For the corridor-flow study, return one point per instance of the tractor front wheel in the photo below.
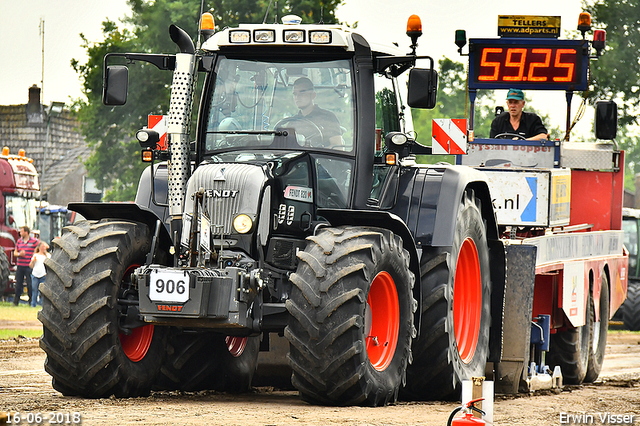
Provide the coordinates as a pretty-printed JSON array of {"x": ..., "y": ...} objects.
[
  {"x": 351, "y": 317},
  {"x": 92, "y": 351}
]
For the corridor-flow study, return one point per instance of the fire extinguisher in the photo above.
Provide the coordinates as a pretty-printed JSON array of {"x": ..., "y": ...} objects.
[{"x": 468, "y": 419}]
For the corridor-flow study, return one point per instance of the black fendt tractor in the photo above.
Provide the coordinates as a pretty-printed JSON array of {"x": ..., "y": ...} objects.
[{"x": 298, "y": 211}]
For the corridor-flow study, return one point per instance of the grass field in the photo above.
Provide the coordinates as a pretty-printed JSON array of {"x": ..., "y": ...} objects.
[
  {"x": 18, "y": 313},
  {"x": 17, "y": 332},
  {"x": 8, "y": 312}
]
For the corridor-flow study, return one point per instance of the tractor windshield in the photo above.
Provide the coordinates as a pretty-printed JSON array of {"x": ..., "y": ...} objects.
[{"x": 279, "y": 105}]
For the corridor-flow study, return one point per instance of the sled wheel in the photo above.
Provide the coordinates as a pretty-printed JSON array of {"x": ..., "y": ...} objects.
[
  {"x": 570, "y": 349},
  {"x": 599, "y": 331}
]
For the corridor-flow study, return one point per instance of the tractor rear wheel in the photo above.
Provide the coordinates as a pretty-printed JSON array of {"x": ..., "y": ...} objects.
[
  {"x": 351, "y": 317},
  {"x": 631, "y": 307},
  {"x": 208, "y": 361},
  {"x": 91, "y": 350},
  {"x": 598, "y": 332},
  {"x": 456, "y": 310}
]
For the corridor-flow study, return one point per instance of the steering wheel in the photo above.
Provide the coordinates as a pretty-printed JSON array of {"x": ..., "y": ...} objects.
[
  {"x": 312, "y": 133},
  {"x": 509, "y": 136}
]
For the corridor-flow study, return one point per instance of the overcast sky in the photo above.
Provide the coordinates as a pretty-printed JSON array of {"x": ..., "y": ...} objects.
[{"x": 378, "y": 20}]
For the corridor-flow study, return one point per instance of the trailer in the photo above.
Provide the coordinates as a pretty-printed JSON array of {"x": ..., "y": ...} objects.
[
  {"x": 299, "y": 212},
  {"x": 562, "y": 197},
  {"x": 19, "y": 193}
]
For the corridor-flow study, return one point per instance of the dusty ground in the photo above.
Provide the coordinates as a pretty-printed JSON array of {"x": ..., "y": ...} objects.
[{"x": 25, "y": 387}]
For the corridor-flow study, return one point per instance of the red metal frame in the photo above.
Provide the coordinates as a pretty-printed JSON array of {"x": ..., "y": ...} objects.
[{"x": 596, "y": 198}]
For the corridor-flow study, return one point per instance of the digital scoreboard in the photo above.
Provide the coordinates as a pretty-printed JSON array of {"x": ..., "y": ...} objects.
[{"x": 545, "y": 64}]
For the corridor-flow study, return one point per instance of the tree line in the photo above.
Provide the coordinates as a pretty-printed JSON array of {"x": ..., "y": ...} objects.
[{"x": 109, "y": 131}]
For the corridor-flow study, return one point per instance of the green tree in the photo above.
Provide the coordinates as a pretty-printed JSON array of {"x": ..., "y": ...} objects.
[
  {"x": 107, "y": 130},
  {"x": 452, "y": 99},
  {"x": 616, "y": 74},
  {"x": 115, "y": 162}
]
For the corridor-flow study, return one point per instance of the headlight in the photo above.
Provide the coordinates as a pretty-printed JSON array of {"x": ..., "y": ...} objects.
[
  {"x": 242, "y": 224},
  {"x": 293, "y": 36},
  {"x": 239, "y": 36},
  {"x": 399, "y": 139},
  {"x": 321, "y": 37},
  {"x": 264, "y": 36}
]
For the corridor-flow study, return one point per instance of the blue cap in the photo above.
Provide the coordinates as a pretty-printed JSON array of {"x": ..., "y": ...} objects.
[{"x": 515, "y": 94}]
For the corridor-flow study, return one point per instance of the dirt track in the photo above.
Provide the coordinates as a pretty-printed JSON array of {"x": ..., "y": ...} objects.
[{"x": 25, "y": 387}]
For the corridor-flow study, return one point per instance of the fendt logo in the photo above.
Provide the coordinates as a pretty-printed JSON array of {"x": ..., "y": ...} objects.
[
  {"x": 222, "y": 193},
  {"x": 170, "y": 308}
]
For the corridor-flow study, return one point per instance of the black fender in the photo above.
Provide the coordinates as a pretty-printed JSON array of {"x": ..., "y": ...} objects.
[
  {"x": 455, "y": 181},
  {"x": 428, "y": 199},
  {"x": 156, "y": 189},
  {"x": 126, "y": 211}
]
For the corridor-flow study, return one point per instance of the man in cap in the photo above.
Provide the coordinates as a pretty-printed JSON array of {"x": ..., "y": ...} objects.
[
  {"x": 304, "y": 95},
  {"x": 517, "y": 122}
]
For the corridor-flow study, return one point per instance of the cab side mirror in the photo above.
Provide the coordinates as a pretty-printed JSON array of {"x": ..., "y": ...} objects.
[
  {"x": 423, "y": 88},
  {"x": 115, "y": 85}
]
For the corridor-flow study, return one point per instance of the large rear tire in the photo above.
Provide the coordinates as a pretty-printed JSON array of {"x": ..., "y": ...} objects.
[
  {"x": 456, "y": 311},
  {"x": 208, "y": 361},
  {"x": 85, "y": 300},
  {"x": 599, "y": 331},
  {"x": 351, "y": 317},
  {"x": 631, "y": 307}
]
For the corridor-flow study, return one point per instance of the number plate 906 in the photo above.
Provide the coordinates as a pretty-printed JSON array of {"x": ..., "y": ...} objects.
[{"x": 169, "y": 286}]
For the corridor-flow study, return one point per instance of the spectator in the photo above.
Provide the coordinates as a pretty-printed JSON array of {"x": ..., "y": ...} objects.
[
  {"x": 38, "y": 272},
  {"x": 23, "y": 252}
]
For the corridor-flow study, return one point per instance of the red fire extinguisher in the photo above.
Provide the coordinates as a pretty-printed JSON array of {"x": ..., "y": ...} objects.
[{"x": 467, "y": 419}]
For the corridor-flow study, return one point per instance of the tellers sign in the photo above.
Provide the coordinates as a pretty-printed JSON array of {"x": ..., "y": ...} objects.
[{"x": 528, "y": 64}]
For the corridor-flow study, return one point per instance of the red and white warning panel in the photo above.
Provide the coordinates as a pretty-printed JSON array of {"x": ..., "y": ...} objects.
[
  {"x": 159, "y": 124},
  {"x": 449, "y": 136}
]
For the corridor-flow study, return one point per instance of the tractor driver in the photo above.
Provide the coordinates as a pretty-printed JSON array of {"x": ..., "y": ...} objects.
[
  {"x": 303, "y": 95},
  {"x": 520, "y": 124}
]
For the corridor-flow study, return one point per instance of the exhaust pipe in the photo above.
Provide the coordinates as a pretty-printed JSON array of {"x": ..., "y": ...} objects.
[{"x": 182, "y": 88}]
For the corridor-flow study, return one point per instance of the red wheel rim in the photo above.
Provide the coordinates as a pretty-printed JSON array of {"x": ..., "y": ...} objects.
[
  {"x": 467, "y": 300},
  {"x": 136, "y": 345},
  {"x": 236, "y": 345},
  {"x": 385, "y": 321}
]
